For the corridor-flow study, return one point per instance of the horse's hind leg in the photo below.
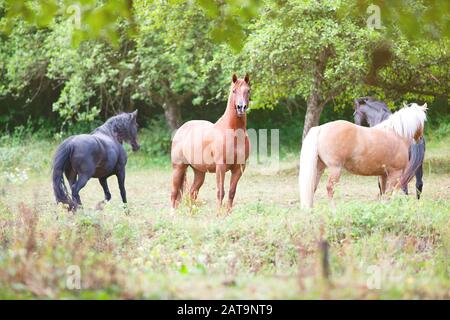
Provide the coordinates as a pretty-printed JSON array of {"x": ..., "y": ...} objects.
[
  {"x": 405, "y": 189},
  {"x": 178, "y": 177},
  {"x": 333, "y": 178},
  {"x": 320, "y": 168},
  {"x": 393, "y": 180},
  {"x": 104, "y": 185},
  {"x": 419, "y": 181},
  {"x": 382, "y": 184},
  {"x": 71, "y": 176},
  {"x": 199, "y": 178},
  {"x": 79, "y": 184}
]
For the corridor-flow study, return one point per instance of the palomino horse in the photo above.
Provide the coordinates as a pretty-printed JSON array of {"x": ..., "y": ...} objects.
[
  {"x": 96, "y": 155},
  {"x": 378, "y": 151},
  {"x": 372, "y": 112},
  {"x": 218, "y": 147}
]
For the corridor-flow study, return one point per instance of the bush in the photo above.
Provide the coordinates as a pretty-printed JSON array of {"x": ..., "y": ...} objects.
[{"x": 156, "y": 139}]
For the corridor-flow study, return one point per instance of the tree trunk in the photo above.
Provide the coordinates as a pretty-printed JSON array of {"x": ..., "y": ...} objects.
[
  {"x": 172, "y": 112},
  {"x": 313, "y": 111},
  {"x": 315, "y": 101}
]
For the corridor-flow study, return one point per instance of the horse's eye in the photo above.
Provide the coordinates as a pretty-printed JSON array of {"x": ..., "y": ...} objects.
[{"x": 234, "y": 90}]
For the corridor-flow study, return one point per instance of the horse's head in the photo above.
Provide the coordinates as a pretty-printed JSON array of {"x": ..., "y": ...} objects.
[
  {"x": 132, "y": 130},
  {"x": 240, "y": 94},
  {"x": 359, "y": 115},
  {"x": 125, "y": 128}
]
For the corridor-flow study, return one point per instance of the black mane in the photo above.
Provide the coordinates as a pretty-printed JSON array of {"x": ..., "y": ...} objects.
[
  {"x": 374, "y": 104},
  {"x": 117, "y": 126}
]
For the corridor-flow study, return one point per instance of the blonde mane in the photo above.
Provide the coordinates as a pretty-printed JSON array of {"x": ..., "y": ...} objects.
[{"x": 406, "y": 121}]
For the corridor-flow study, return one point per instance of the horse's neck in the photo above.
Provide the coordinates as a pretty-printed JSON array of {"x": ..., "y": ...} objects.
[
  {"x": 375, "y": 118},
  {"x": 105, "y": 130},
  {"x": 230, "y": 120}
]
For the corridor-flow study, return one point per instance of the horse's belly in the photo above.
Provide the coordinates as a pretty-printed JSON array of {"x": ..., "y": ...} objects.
[
  {"x": 101, "y": 172},
  {"x": 364, "y": 169},
  {"x": 376, "y": 161},
  {"x": 204, "y": 167}
]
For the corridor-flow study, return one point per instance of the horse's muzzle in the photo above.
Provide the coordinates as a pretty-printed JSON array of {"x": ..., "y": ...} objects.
[{"x": 241, "y": 109}]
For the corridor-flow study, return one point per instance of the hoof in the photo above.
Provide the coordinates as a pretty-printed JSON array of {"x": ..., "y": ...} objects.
[{"x": 100, "y": 206}]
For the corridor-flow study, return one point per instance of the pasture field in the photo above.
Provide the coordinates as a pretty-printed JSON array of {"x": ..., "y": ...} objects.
[{"x": 396, "y": 248}]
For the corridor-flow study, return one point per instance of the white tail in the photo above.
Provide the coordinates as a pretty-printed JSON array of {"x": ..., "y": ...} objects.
[{"x": 308, "y": 168}]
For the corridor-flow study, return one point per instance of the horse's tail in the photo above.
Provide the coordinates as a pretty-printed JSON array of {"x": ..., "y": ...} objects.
[
  {"x": 61, "y": 158},
  {"x": 308, "y": 168},
  {"x": 417, "y": 154}
]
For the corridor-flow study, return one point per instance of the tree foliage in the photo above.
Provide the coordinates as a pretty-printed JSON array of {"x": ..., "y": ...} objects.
[{"x": 170, "y": 54}]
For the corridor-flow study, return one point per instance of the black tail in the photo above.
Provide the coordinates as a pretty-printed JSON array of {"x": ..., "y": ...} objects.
[
  {"x": 59, "y": 188},
  {"x": 417, "y": 154}
]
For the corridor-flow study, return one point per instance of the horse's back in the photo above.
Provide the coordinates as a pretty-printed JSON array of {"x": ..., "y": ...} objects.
[
  {"x": 85, "y": 143},
  {"x": 337, "y": 140},
  {"x": 339, "y": 131},
  {"x": 192, "y": 125},
  {"x": 361, "y": 150}
]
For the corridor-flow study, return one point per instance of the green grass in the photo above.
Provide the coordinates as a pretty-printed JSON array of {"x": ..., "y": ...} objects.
[{"x": 267, "y": 248}]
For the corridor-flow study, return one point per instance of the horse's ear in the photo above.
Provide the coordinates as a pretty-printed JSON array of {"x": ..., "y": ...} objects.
[
  {"x": 234, "y": 78},
  {"x": 134, "y": 114},
  {"x": 424, "y": 107},
  {"x": 247, "y": 78}
]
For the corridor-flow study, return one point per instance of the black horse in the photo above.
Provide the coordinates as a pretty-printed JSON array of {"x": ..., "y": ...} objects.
[
  {"x": 98, "y": 155},
  {"x": 371, "y": 112}
]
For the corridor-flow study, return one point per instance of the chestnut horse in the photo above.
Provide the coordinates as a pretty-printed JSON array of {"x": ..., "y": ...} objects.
[
  {"x": 381, "y": 151},
  {"x": 219, "y": 147}
]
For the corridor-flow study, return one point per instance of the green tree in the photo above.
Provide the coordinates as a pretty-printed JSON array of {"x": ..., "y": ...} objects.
[
  {"x": 305, "y": 49},
  {"x": 173, "y": 50},
  {"x": 309, "y": 49}
]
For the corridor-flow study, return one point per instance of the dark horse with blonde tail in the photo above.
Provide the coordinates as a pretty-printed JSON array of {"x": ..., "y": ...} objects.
[
  {"x": 371, "y": 112},
  {"x": 213, "y": 147},
  {"x": 96, "y": 155}
]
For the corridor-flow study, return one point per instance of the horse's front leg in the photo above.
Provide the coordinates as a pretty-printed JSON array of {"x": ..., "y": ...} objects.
[
  {"x": 220, "y": 179},
  {"x": 236, "y": 174}
]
